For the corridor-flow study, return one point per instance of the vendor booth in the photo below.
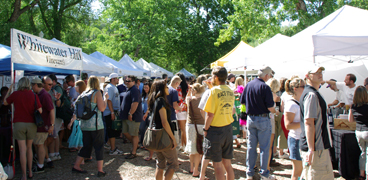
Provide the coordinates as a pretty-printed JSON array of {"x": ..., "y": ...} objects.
[
  {"x": 127, "y": 61},
  {"x": 186, "y": 73},
  {"x": 120, "y": 68},
  {"x": 145, "y": 65},
  {"x": 164, "y": 71}
]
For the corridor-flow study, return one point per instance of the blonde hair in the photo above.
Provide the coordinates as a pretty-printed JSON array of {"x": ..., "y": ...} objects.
[
  {"x": 239, "y": 81},
  {"x": 274, "y": 84},
  {"x": 199, "y": 88},
  {"x": 291, "y": 84},
  {"x": 24, "y": 84},
  {"x": 82, "y": 86},
  {"x": 360, "y": 96},
  {"x": 201, "y": 78},
  {"x": 175, "y": 79},
  {"x": 93, "y": 83},
  {"x": 294, "y": 76}
]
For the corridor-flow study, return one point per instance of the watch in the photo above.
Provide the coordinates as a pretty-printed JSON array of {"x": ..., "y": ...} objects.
[
  {"x": 129, "y": 114},
  {"x": 205, "y": 130},
  {"x": 52, "y": 124}
]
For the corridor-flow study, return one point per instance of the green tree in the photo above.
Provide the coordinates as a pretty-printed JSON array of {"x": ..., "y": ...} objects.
[{"x": 260, "y": 20}]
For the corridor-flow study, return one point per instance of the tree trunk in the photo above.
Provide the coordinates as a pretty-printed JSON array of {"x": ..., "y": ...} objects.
[
  {"x": 301, "y": 6},
  {"x": 17, "y": 11},
  {"x": 137, "y": 50}
]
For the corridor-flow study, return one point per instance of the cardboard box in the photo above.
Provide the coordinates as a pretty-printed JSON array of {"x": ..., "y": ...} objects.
[{"x": 344, "y": 124}]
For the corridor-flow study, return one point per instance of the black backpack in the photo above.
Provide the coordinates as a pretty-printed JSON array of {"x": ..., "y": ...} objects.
[{"x": 65, "y": 111}]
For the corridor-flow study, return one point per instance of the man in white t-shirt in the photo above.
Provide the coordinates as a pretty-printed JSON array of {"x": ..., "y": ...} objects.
[
  {"x": 340, "y": 98},
  {"x": 347, "y": 87}
]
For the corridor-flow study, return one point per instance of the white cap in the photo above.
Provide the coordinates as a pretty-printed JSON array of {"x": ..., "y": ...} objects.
[
  {"x": 314, "y": 69},
  {"x": 113, "y": 75}
]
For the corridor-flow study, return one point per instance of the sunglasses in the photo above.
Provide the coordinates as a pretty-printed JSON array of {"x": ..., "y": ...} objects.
[
  {"x": 128, "y": 81},
  {"x": 301, "y": 86}
]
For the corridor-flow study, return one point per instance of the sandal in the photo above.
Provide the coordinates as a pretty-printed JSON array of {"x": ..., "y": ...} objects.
[
  {"x": 131, "y": 156},
  {"x": 147, "y": 158}
]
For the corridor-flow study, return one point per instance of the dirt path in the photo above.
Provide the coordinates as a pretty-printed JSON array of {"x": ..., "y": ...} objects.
[{"x": 118, "y": 167}]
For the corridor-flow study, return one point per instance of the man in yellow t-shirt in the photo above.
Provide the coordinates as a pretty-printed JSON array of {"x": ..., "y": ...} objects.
[{"x": 218, "y": 132}]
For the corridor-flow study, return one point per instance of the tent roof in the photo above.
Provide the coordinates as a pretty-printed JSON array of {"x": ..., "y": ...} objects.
[
  {"x": 120, "y": 69},
  {"x": 92, "y": 65},
  {"x": 145, "y": 65},
  {"x": 164, "y": 71},
  {"x": 127, "y": 61},
  {"x": 235, "y": 56},
  {"x": 274, "y": 48},
  {"x": 5, "y": 59},
  {"x": 344, "y": 34},
  {"x": 186, "y": 73}
]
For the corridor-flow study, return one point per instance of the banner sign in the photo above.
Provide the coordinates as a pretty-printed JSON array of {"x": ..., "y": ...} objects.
[{"x": 33, "y": 50}]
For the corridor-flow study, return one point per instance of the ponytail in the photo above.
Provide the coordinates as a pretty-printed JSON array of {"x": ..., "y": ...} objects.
[{"x": 291, "y": 84}]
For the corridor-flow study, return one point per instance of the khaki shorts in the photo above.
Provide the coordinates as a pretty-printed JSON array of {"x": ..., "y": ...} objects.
[
  {"x": 169, "y": 157},
  {"x": 131, "y": 127},
  {"x": 24, "y": 131},
  {"x": 40, "y": 138},
  {"x": 321, "y": 167}
]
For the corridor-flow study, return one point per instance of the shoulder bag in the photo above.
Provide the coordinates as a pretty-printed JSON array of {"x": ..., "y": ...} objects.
[
  {"x": 157, "y": 140},
  {"x": 199, "y": 138},
  {"x": 37, "y": 115}
]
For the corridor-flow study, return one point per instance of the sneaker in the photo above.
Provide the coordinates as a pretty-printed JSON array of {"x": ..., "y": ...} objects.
[
  {"x": 53, "y": 158},
  {"x": 116, "y": 152},
  {"x": 249, "y": 177},
  {"x": 284, "y": 156},
  {"x": 37, "y": 169},
  {"x": 107, "y": 146},
  {"x": 269, "y": 177},
  {"x": 58, "y": 157}
]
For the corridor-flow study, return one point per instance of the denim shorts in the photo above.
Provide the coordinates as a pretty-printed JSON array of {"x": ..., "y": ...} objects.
[{"x": 294, "y": 149}]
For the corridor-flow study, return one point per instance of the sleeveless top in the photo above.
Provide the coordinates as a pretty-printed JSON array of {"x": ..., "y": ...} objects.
[{"x": 90, "y": 125}]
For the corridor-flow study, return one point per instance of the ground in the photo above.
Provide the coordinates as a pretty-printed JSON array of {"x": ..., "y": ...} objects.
[{"x": 118, "y": 167}]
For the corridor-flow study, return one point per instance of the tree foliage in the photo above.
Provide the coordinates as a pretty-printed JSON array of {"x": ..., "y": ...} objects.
[{"x": 258, "y": 19}]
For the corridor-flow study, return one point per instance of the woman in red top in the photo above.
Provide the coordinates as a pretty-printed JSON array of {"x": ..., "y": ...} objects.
[
  {"x": 25, "y": 129},
  {"x": 182, "y": 115}
]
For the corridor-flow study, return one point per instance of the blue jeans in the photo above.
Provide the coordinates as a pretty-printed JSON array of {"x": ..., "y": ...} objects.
[
  {"x": 142, "y": 129},
  {"x": 259, "y": 131}
]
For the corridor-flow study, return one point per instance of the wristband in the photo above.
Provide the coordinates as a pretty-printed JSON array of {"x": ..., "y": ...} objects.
[
  {"x": 309, "y": 150},
  {"x": 205, "y": 130}
]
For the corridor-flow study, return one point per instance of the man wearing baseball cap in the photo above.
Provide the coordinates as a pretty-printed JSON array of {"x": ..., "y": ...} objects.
[
  {"x": 113, "y": 105},
  {"x": 48, "y": 116},
  {"x": 315, "y": 138},
  {"x": 340, "y": 98}
]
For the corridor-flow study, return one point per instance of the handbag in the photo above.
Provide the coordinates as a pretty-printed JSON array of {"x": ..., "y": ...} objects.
[
  {"x": 37, "y": 116},
  {"x": 117, "y": 123},
  {"x": 199, "y": 138},
  {"x": 156, "y": 139}
]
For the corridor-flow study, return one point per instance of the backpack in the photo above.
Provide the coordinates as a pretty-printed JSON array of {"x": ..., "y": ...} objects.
[
  {"x": 83, "y": 105},
  {"x": 64, "y": 111}
]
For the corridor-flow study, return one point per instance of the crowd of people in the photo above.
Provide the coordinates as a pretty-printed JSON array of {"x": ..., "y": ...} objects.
[{"x": 282, "y": 116}]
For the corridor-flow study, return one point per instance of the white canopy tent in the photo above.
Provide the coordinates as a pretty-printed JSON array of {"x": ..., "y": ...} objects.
[
  {"x": 346, "y": 34},
  {"x": 145, "y": 65},
  {"x": 186, "y": 73},
  {"x": 335, "y": 40},
  {"x": 235, "y": 59},
  {"x": 164, "y": 71},
  {"x": 119, "y": 68},
  {"x": 127, "y": 61},
  {"x": 91, "y": 65}
]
